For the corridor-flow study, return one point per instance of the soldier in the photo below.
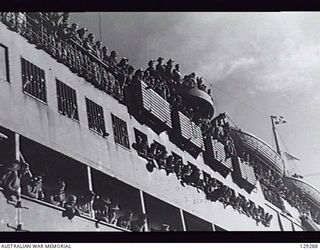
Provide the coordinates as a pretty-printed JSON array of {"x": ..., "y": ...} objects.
[
  {"x": 125, "y": 221},
  {"x": 113, "y": 58},
  {"x": 58, "y": 24},
  {"x": 10, "y": 181},
  {"x": 160, "y": 68},
  {"x": 139, "y": 225},
  {"x": 71, "y": 32},
  {"x": 70, "y": 208},
  {"x": 192, "y": 80},
  {"x": 97, "y": 50},
  {"x": 81, "y": 33},
  {"x": 85, "y": 203},
  {"x": 56, "y": 195},
  {"x": 123, "y": 63},
  {"x": 104, "y": 54},
  {"x": 151, "y": 69},
  {"x": 141, "y": 146},
  {"x": 169, "y": 164},
  {"x": 138, "y": 76},
  {"x": 89, "y": 43},
  {"x": 33, "y": 187},
  {"x": 101, "y": 208},
  {"x": 200, "y": 84},
  {"x": 176, "y": 75},
  {"x": 113, "y": 213},
  {"x": 168, "y": 70}
]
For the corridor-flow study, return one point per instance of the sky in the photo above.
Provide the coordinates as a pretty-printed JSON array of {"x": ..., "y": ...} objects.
[{"x": 257, "y": 64}]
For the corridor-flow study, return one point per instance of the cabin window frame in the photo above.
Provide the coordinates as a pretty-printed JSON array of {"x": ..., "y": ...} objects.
[
  {"x": 70, "y": 95},
  {"x": 93, "y": 111},
  {"x": 6, "y": 63},
  {"x": 30, "y": 69},
  {"x": 120, "y": 131}
]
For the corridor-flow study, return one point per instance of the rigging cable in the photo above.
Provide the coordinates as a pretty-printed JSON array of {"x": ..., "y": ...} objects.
[
  {"x": 232, "y": 122},
  {"x": 292, "y": 163},
  {"x": 237, "y": 100},
  {"x": 100, "y": 33}
]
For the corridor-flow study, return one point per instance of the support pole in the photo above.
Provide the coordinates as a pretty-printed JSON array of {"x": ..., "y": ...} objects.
[
  {"x": 17, "y": 157},
  {"x": 143, "y": 207},
  {"x": 89, "y": 178},
  {"x": 90, "y": 187},
  {"x": 182, "y": 219},
  {"x": 17, "y": 146}
]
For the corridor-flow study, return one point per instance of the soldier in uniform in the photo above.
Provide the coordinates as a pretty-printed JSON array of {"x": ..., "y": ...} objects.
[
  {"x": 139, "y": 225},
  {"x": 97, "y": 50},
  {"x": 89, "y": 43},
  {"x": 113, "y": 58},
  {"x": 81, "y": 33},
  {"x": 70, "y": 208},
  {"x": 125, "y": 221},
  {"x": 176, "y": 75},
  {"x": 104, "y": 54},
  {"x": 160, "y": 69},
  {"x": 151, "y": 69},
  {"x": 168, "y": 70}
]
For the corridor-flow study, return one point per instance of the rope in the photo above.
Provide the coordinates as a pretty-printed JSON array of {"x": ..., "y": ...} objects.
[
  {"x": 240, "y": 102},
  {"x": 232, "y": 122},
  {"x": 292, "y": 163},
  {"x": 100, "y": 34}
]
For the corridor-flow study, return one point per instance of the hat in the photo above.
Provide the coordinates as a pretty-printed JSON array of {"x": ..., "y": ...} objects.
[
  {"x": 151, "y": 62},
  {"x": 170, "y": 61},
  {"x": 160, "y": 59},
  {"x": 113, "y": 52},
  {"x": 84, "y": 29}
]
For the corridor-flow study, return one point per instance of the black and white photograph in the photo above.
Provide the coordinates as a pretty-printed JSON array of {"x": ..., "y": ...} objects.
[{"x": 159, "y": 122}]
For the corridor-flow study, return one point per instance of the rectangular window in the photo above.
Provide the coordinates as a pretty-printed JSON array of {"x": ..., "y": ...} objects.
[
  {"x": 33, "y": 80},
  {"x": 4, "y": 63},
  {"x": 67, "y": 100},
  {"x": 120, "y": 131},
  {"x": 96, "y": 118}
]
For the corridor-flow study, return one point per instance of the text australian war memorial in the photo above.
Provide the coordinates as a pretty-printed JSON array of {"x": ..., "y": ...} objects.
[{"x": 88, "y": 142}]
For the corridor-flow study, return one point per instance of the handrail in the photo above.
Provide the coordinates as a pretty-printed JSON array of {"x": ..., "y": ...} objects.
[
  {"x": 277, "y": 158},
  {"x": 305, "y": 183},
  {"x": 40, "y": 202}
]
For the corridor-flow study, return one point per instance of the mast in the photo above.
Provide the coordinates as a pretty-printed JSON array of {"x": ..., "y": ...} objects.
[{"x": 275, "y": 135}]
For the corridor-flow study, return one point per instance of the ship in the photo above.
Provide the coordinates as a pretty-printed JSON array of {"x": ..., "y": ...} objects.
[{"x": 88, "y": 143}]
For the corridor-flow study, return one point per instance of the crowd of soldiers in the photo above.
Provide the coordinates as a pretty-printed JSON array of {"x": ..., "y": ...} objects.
[
  {"x": 188, "y": 174},
  {"x": 87, "y": 57},
  {"x": 16, "y": 179},
  {"x": 275, "y": 191},
  {"x": 90, "y": 59}
]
